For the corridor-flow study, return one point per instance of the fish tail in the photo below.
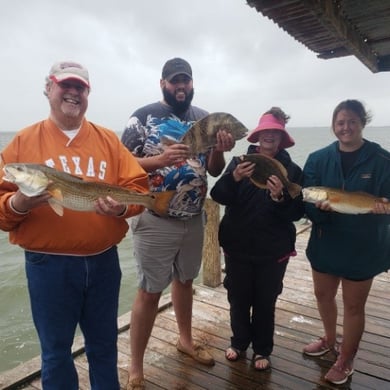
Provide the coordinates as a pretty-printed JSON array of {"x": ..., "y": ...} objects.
[
  {"x": 161, "y": 202},
  {"x": 294, "y": 189}
]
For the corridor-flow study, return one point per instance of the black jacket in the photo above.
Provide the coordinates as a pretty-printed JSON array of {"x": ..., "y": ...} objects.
[{"x": 253, "y": 224}]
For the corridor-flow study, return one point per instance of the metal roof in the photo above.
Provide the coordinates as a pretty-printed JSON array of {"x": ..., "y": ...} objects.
[{"x": 336, "y": 28}]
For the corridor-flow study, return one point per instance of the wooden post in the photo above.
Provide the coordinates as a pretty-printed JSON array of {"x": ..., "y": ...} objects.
[{"x": 211, "y": 251}]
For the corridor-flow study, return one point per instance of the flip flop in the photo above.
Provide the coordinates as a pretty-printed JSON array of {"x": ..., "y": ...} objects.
[
  {"x": 265, "y": 360},
  {"x": 199, "y": 353},
  {"x": 237, "y": 354},
  {"x": 136, "y": 384}
]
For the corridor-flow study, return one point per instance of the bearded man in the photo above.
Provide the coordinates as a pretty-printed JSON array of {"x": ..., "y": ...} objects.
[{"x": 169, "y": 250}]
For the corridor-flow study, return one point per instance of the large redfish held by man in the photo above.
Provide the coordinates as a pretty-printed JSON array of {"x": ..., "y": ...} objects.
[{"x": 74, "y": 193}]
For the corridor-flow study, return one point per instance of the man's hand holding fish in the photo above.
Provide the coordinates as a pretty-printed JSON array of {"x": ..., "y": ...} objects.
[
  {"x": 109, "y": 206},
  {"x": 225, "y": 141},
  {"x": 22, "y": 204},
  {"x": 173, "y": 154}
]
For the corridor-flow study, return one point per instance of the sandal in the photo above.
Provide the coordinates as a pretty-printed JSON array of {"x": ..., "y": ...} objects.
[
  {"x": 199, "y": 353},
  {"x": 136, "y": 384},
  {"x": 233, "y": 354},
  {"x": 263, "y": 360}
]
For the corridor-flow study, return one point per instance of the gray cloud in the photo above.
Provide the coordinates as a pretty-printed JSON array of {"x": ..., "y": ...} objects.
[{"x": 242, "y": 62}]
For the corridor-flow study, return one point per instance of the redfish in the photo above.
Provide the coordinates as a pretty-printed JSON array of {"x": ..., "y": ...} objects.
[
  {"x": 345, "y": 202},
  {"x": 74, "y": 193}
]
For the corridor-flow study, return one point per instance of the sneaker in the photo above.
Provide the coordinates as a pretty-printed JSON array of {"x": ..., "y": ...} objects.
[
  {"x": 339, "y": 373},
  {"x": 317, "y": 348}
]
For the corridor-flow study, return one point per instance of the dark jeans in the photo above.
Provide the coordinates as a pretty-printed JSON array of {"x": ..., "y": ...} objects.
[
  {"x": 66, "y": 291},
  {"x": 252, "y": 289}
]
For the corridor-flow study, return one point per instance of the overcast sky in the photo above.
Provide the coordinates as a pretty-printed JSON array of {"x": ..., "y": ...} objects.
[{"x": 242, "y": 62}]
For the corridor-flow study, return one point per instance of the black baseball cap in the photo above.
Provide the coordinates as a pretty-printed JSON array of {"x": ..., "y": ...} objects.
[{"x": 174, "y": 67}]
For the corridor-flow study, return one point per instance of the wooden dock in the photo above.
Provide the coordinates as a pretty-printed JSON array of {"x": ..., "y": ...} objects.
[{"x": 297, "y": 322}]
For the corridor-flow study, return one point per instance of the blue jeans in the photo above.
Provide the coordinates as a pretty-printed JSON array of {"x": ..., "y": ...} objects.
[{"x": 66, "y": 291}]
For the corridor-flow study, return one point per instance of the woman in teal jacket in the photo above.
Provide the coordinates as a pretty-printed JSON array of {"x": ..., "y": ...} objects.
[{"x": 347, "y": 249}]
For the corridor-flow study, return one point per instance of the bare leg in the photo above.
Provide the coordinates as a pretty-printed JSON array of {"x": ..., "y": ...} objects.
[
  {"x": 354, "y": 298},
  {"x": 143, "y": 315},
  {"x": 182, "y": 304},
  {"x": 325, "y": 289}
]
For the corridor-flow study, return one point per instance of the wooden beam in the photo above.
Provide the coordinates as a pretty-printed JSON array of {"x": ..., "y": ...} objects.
[{"x": 330, "y": 14}]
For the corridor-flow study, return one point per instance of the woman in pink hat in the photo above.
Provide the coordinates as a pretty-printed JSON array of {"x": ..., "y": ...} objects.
[{"x": 257, "y": 235}]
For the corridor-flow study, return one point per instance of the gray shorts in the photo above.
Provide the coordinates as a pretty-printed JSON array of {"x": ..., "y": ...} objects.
[{"x": 166, "y": 248}]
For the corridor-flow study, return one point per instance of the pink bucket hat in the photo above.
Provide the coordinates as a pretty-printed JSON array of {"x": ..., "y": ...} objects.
[{"x": 269, "y": 122}]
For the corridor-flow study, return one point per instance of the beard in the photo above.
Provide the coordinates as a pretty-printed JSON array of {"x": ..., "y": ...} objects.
[{"x": 178, "y": 106}]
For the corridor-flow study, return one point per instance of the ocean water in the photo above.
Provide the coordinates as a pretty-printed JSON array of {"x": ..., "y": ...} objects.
[{"x": 18, "y": 339}]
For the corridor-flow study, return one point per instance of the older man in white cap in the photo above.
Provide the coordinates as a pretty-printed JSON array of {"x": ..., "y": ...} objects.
[{"x": 72, "y": 264}]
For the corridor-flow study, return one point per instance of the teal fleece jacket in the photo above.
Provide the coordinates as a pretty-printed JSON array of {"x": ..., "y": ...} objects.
[{"x": 355, "y": 247}]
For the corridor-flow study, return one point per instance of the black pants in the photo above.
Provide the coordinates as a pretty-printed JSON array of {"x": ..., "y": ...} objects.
[{"x": 253, "y": 288}]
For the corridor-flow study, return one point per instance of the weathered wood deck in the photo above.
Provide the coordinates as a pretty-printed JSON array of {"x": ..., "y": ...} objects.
[{"x": 297, "y": 322}]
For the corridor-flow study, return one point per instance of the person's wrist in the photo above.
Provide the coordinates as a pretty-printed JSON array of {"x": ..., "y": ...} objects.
[
  {"x": 15, "y": 209},
  {"x": 277, "y": 198},
  {"x": 236, "y": 176}
]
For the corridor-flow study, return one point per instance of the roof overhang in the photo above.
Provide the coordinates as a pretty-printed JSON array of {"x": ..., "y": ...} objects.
[{"x": 336, "y": 28}]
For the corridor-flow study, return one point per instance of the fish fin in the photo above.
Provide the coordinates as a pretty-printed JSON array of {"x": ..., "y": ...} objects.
[
  {"x": 56, "y": 194},
  {"x": 294, "y": 190},
  {"x": 58, "y": 209},
  {"x": 161, "y": 202},
  {"x": 57, "y": 197}
]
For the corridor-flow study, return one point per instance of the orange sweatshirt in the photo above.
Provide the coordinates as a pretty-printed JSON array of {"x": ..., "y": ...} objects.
[{"x": 95, "y": 154}]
